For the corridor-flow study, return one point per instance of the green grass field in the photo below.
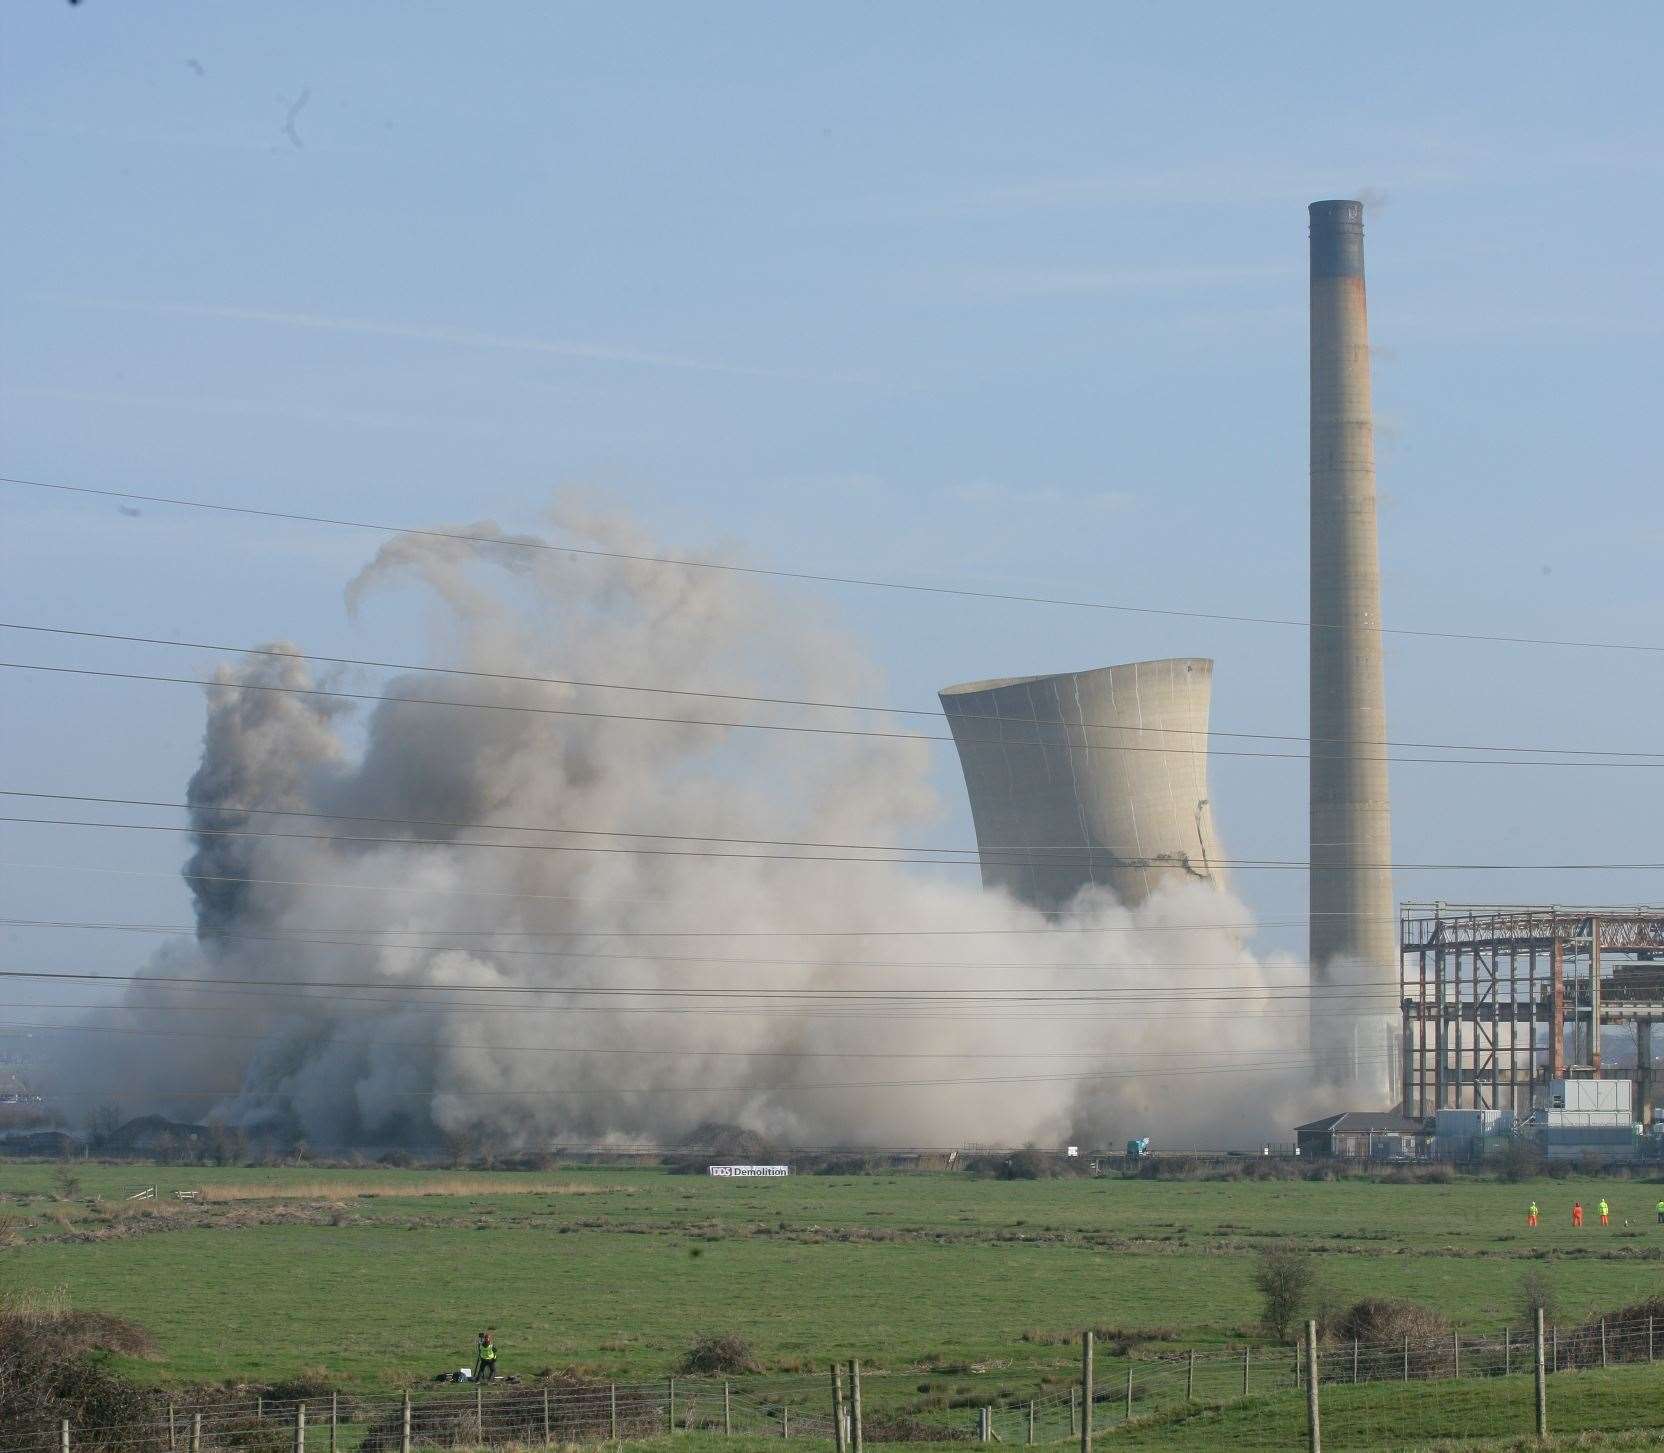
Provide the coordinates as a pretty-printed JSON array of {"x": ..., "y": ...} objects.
[{"x": 949, "y": 1289}]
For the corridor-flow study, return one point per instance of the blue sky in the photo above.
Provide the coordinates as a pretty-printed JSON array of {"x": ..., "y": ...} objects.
[{"x": 1005, "y": 297}]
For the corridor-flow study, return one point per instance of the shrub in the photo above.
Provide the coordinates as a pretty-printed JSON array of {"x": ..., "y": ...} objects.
[
  {"x": 37, "y": 1393},
  {"x": 102, "y": 1124},
  {"x": 716, "y": 1356},
  {"x": 1388, "y": 1319},
  {"x": 1023, "y": 1165},
  {"x": 1629, "y": 1334},
  {"x": 1520, "y": 1161},
  {"x": 67, "y": 1182},
  {"x": 1537, "y": 1291},
  {"x": 1287, "y": 1281}
]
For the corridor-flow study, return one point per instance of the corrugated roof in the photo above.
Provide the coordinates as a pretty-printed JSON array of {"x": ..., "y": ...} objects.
[{"x": 1364, "y": 1122}]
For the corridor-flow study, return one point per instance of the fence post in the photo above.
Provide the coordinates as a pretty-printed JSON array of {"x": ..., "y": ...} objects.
[
  {"x": 1603, "y": 1342},
  {"x": 334, "y": 1416},
  {"x": 170, "y": 1424},
  {"x": 1086, "y": 1391},
  {"x": 670, "y": 1407},
  {"x": 1406, "y": 1357},
  {"x": 1541, "y": 1381},
  {"x": 404, "y": 1425},
  {"x": 612, "y": 1411},
  {"x": 196, "y": 1433},
  {"x": 1031, "y": 1420},
  {"x": 1455, "y": 1354},
  {"x": 983, "y": 1418},
  {"x": 1299, "y": 1365},
  {"x": 785, "y": 1420},
  {"x": 1074, "y": 1410},
  {"x": 1247, "y": 1353},
  {"x": 1554, "y": 1349},
  {"x": 1190, "y": 1378},
  {"x": 479, "y": 1412},
  {"x": 300, "y": 1428},
  {"x": 259, "y": 1406},
  {"x": 545, "y": 1417},
  {"x": 1314, "y": 1430},
  {"x": 837, "y": 1409},
  {"x": 855, "y": 1433},
  {"x": 1649, "y": 1337},
  {"x": 63, "y": 1433},
  {"x": 1507, "y": 1350},
  {"x": 1354, "y": 1359},
  {"x": 727, "y": 1412},
  {"x": 1129, "y": 1387}
]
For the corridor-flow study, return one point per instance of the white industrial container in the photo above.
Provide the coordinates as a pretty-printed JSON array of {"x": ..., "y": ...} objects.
[{"x": 1588, "y": 1102}]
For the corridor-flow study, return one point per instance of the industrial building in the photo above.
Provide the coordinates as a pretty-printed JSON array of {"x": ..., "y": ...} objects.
[
  {"x": 1362, "y": 1135},
  {"x": 1089, "y": 777},
  {"x": 1499, "y": 1001},
  {"x": 1101, "y": 777}
]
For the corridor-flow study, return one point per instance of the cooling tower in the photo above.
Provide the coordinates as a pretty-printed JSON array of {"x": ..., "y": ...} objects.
[
  {"x": 1353, "y": 927},
  {"x": 1089, "y": 777}
]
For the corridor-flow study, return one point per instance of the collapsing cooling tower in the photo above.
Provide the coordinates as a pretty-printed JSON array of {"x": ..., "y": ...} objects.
[
  {"x": 1354, "y": 931},
  {"x": 1089, "y": 777}
]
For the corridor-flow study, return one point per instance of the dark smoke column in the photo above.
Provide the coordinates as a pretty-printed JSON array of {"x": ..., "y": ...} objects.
[{"x": 1353, "y": 927}]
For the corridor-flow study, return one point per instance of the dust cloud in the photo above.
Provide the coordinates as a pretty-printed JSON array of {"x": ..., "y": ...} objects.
[{"x": 718, "y": 979}]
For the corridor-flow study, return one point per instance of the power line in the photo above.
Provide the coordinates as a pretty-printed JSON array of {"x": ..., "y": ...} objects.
[
  {"x": 906, "y": 997},
  {"x": 566, "y": 681},
  {"x": 251, "y": 810},
  {"x": 520, "y": 543},
  {"x": 1285, "y": 921},
  {"x": 726, "y": 960},
  {"x": 1055, "y": 851},
  {"x": 1053, "y": 858},
  {"x": 780, "y": 1087},
  {"x": 801, "y": 730},
  {"x": 631, "y": 1051},
  {"x": 397, "y": 997},
  {"x": 204, "y": 832}
]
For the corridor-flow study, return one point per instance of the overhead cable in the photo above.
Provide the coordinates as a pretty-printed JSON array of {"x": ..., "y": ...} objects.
[
  {"x": 1052, "y": 857},
  {"x": 787, "y": 727},
  {"x": 520, "y": 678},
  {"x": 499, "y": 542}
]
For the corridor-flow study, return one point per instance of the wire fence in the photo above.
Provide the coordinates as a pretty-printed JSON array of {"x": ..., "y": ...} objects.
[{"x": 1606, "y": 1375}]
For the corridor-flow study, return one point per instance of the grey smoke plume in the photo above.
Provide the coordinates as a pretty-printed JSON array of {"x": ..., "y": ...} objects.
[{"x": 394, "y": 1061}]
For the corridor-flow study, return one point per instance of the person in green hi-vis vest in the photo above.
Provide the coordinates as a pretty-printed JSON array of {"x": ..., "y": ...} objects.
[{"x": 485, "y": 1364}]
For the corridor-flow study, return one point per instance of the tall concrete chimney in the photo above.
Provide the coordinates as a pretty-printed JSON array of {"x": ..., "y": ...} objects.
[{"x": 1354, "y": 937}]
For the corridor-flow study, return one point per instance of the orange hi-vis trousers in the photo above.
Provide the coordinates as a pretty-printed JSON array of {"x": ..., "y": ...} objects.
[
  {"x": 1577, "y": 1217},
  {"x": 1605, "y": 1221},
  {"x": 1531, "y": 1219}
]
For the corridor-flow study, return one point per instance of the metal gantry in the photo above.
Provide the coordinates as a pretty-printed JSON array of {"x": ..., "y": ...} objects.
[{"x": 1488, "y": 991}]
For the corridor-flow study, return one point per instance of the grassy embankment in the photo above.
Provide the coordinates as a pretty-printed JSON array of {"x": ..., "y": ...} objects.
[{"x": 950, "y": 1289}]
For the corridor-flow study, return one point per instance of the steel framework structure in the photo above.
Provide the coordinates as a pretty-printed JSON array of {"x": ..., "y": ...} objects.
[{"x": 1489, "y": 989}]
